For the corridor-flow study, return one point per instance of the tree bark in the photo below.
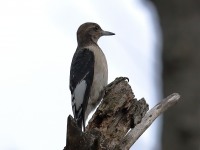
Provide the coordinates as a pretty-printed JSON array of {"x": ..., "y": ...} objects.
[
  {"x": 180, "y": 24},
  {"x": 118, "y": 112}
]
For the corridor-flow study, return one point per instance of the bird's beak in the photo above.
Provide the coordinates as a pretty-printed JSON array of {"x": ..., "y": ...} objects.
[{"x": 106, "y": 33}]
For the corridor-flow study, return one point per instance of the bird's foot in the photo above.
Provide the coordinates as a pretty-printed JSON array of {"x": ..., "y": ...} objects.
[{"x": 112, "y": 84}]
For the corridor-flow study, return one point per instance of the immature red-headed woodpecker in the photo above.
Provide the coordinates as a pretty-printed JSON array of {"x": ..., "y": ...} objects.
[{"x": 88, "y": 73}]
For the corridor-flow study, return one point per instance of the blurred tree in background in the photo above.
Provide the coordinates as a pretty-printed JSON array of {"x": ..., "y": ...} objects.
[{"x": 180, "y": 23}]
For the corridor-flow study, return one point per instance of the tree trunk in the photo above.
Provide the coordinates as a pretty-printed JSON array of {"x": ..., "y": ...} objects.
[{"x": 180, "y": 22}]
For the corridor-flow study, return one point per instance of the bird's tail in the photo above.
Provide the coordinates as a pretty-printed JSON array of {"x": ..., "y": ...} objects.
[{"x": 80, "y": 123}]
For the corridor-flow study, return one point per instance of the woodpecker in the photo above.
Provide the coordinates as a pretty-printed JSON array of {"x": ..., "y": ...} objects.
[{"x": 88, "y": 72}]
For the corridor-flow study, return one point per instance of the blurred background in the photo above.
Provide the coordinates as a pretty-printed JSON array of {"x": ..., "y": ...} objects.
[
  {"x": 156, "y": 45},
  {"x": 180, "y": 24}
]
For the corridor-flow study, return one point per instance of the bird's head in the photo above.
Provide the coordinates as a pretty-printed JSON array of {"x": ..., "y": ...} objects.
[{"x": 90, "y": 33}]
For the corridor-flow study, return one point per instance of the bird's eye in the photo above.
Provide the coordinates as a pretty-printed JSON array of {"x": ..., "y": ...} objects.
[{"x": 96, "y": 28}]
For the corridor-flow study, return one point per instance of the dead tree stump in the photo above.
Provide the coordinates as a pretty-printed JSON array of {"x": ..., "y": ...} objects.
[{"x": 108, "y": 128}]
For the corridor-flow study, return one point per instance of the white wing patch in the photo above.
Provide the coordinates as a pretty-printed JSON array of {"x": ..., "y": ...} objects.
[{"x": 78, "y": 95}]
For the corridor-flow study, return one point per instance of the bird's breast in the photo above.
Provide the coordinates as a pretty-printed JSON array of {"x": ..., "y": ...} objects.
[{"x": 100, "y": 73}]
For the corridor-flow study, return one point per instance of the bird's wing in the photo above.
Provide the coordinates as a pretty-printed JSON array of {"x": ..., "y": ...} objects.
[{"x": 81, "y": 77}]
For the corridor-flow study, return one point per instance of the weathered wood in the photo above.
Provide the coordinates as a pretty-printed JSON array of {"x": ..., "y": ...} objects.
[
  {"x": 119, "y": 111},
  {"x": 147, "y": 120},
  {"x": 78, "y": 140}
]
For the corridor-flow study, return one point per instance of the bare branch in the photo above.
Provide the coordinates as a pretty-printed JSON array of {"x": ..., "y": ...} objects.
[{"x": 148, "y": 119}]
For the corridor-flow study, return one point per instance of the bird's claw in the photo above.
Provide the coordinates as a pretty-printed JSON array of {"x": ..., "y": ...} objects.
[
  {"x": 119, "y": 79},
  {"x": 112, "y": 84}
]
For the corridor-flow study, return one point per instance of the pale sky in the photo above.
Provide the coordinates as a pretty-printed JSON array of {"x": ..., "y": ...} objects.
[{"x": 37, "y": 42}]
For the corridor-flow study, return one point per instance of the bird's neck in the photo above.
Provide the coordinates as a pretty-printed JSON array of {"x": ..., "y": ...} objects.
[{"x": 86, "y": 44}]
